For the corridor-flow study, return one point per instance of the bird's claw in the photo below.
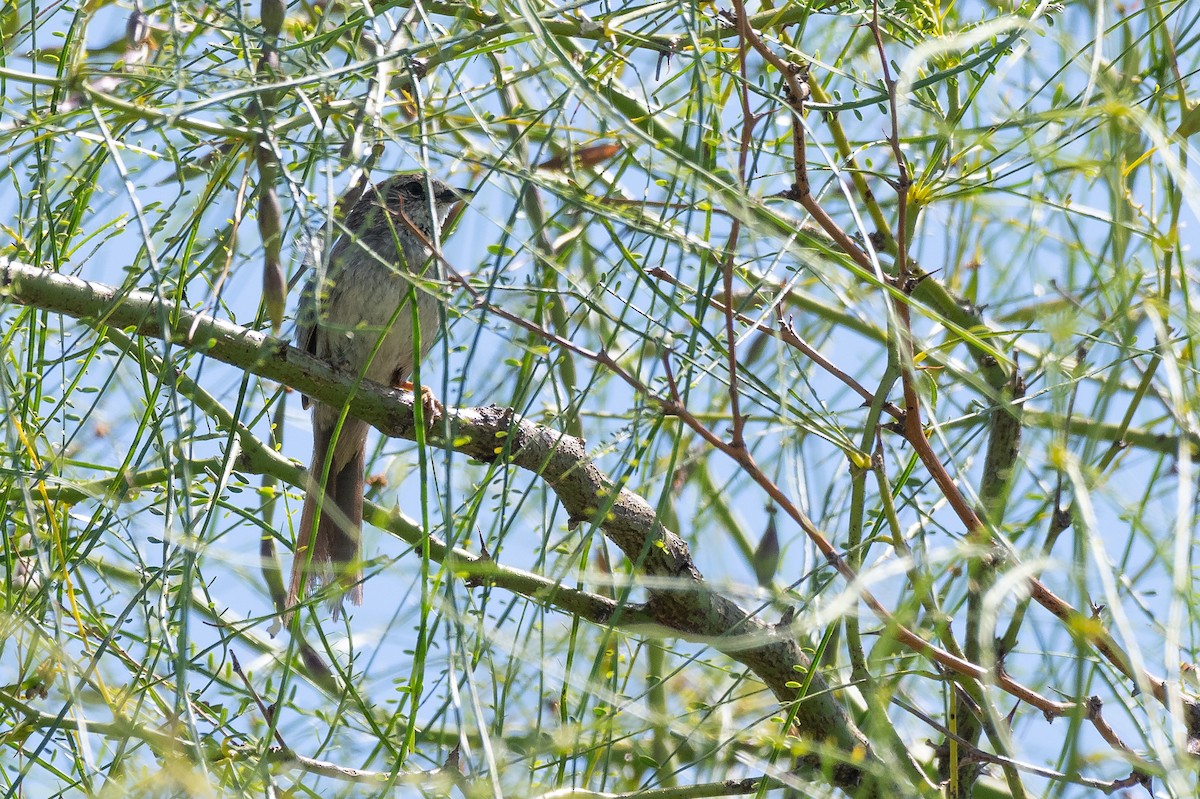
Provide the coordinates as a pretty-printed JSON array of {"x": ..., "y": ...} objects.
[{"x": 432, "y": 409}]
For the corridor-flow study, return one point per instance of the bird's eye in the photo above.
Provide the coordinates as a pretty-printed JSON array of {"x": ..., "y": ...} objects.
[{"x": 414, "y": 190}]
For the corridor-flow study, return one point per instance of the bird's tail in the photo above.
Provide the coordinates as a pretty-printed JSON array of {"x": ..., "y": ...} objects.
[{"x": 335, "y": 538}]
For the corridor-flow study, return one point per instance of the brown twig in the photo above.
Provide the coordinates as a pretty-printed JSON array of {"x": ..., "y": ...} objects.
[
  {"x": 903, "y": 180},
  {"x": 1139, "y": 776},
  {"x": 786, "y": 332},
  {"x": 267, "y": 713},
  {"x": 737, "y": 438}
]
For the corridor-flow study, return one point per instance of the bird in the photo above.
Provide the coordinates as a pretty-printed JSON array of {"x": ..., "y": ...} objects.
[{"x": 356, "y": 315}]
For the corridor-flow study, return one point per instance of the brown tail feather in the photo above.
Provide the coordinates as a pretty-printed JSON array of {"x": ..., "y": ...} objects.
[{"x": 337, "y": 546}]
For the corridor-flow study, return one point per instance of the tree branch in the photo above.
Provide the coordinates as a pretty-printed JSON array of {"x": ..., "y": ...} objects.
[{"x": 679, "y": 599}]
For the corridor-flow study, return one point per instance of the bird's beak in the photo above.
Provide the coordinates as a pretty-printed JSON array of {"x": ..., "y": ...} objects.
[{"x": 453, "y": 195}]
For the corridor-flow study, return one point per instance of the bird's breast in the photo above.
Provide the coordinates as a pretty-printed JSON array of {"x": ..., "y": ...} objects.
[{"x": 368, "y": 320}]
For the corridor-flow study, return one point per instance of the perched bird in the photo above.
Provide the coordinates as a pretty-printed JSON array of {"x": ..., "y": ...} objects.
[{"x": 357, "y": 315}]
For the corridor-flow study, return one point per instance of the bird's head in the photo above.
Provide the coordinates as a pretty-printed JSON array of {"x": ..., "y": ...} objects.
[{"x": 406, "y": 198}]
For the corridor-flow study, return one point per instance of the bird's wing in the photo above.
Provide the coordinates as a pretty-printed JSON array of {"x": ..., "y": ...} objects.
[{"x": 306, "y": 318}]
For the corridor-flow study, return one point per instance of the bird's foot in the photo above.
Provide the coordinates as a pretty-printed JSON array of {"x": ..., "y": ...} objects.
[{"x": 432, "y": 409}]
